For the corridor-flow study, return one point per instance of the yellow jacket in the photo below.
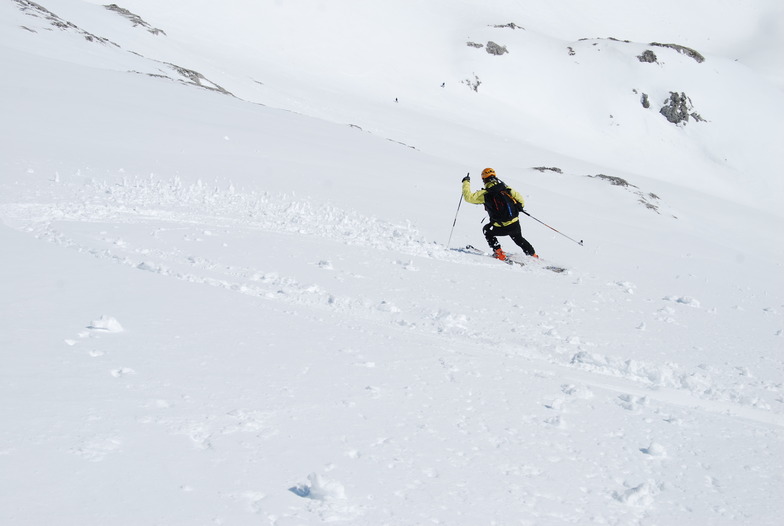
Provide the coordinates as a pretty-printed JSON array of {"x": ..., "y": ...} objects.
[{"x": 478, "y": 197}]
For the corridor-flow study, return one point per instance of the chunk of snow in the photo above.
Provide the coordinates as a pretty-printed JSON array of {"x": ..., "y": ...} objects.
[{"x": 106, "y": 323}]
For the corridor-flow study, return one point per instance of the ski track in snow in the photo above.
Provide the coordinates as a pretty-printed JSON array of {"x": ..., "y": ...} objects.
[
  {"x": 103, "y": 219},
  {"x": 558, "y": 403},
  {"x": 220, "y": 237}
]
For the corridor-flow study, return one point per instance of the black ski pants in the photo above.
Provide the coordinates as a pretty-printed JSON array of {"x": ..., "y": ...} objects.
[{"x": 491, "y": 230}]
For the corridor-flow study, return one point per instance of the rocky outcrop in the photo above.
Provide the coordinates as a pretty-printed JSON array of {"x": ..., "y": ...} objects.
[
  {"x": 510, "y": 25},
  {"x": 197, "y": 79},
  {"x": 37, "y": 11},
  {"x": 473, "y": 84},
  {"x": 613, "y": 180},
  {"x": 683, "y": 50},
  {"x": 647, "y": 56},
  {"x": 548, "y": 169},
  {"x": 157, "y": 68},
  {"x": 678, "y": 109},
  {"x": 647, "y": 199},
  {"x": 495, "y": 49},
  {"x": 135, "y": 19}
]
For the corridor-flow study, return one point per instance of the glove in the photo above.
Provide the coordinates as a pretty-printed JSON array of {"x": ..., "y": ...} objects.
[
  {"x": 520, "y": 208},
  {"x": 466, "y": 178}
]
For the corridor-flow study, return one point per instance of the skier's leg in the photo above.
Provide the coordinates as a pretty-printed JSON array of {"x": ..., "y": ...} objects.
[
  {"x": 490, "y": 236},
  {"x": 526, "y": 246},
  {"x": 520, "y": 241}
]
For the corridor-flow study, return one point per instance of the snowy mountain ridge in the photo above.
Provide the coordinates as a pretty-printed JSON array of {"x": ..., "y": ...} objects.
[
  {"x": 620, "y": 108},
  {"x": 242, "y": 309}
]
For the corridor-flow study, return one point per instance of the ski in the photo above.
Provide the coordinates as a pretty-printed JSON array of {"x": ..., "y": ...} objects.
[{"x": 470, "y": 249}]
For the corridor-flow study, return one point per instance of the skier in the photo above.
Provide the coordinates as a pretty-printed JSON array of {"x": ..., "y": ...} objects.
[{"x": 503, "y": 204}]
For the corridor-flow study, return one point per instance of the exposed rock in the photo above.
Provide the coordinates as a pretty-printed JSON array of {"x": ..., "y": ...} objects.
[
  {"x": 643, "y": 198},
  {"x": 682, "y": 49},
  {"x": 615, "y": 181},
  {"x": 647, "y": 56},
  {"x": 403, "y": 144},
  {"x": 608, "y": 38},
  {"x": 197, "y": 79},
  {"x": 646, "y": 103},
  {"x": 186, "y": 76},
  {"x": 37, "y": 11},
  {"x": 678, "y": 109},
  {"x": 473, "y": 84},
  {"x": 135, "y": 19},
  {"x": 495, "y": 49},
  {"x": 475, "y": 44},
  {"x": 548, "y": 169},
  {"x": 511, "y": 25}
]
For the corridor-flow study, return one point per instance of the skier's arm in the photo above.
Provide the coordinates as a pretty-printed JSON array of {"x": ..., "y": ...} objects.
[
  {"x": 517, "y": 197},
  {"x": 476, "y": 198}
]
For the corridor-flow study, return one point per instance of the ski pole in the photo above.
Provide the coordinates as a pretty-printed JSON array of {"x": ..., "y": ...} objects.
[
  {"x": 551, "y": 228},
  {"x": 455, "y": 221}
]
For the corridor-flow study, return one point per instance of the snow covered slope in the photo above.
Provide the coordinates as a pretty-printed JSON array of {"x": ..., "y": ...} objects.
[{"x": 229, "y": 299}]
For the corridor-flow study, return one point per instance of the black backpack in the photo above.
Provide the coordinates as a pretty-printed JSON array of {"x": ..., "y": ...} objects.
[{"x": 499, "y": 203}]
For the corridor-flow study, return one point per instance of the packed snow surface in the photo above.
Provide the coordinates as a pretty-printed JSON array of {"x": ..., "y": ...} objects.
[{"x": 233, "y": 290}]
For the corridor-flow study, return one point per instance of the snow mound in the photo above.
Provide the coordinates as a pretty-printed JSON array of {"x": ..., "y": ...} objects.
[
  {"x": 319, "y": 488},
  {"x": 106, "y": 323}
]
